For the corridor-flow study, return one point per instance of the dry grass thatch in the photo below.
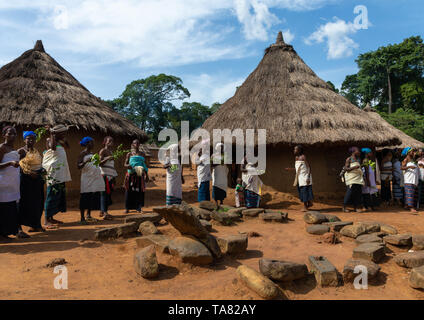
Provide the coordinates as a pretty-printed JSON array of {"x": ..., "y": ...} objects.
[
  {"x": 36, "y": 90},
  {"x": 407, "y": 141},
  {"x": 284, "y": 96}
]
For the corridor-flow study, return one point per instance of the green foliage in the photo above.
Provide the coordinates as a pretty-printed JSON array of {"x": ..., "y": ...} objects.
[
  {"x": 399, "y": 66},
  {"x": 408, "y": 121},
  {"x": 194, "y": 112},
  {"x": 333, "y": 87}
]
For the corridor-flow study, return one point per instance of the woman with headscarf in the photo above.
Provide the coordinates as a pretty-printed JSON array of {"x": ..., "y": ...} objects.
[
  {"x": 174, "y": 176},
  {"x": 135, "y": 179},
  {"x": 411, "y": 175},
  {"x": 91, "y": 181},
  {"x": 398, "y": 184},
  {"x": 9, "y": 184},
  {"x": 31, "y": 204},
  {"x": 55, "y": 163},
  {"x": 354, "y": 179},
  {"x": 252, "y": 186},
  {"x": 203, "y": 175},
  {"x": 369, "y": 189},
  {"x": 107, "y": 168},
  {"x": 219, "y": 175}
]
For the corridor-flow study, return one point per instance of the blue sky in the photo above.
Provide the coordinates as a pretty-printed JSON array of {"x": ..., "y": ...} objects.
[{"x": 211, "y": 45}]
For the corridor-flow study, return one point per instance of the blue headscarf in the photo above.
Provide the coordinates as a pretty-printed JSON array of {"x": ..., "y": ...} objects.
[
  {"x": 85, "y": 141},
  {"x": 406, "y": 151},
  {"x": 366, "y": 150},
  {"x": 28, "y": 134}
]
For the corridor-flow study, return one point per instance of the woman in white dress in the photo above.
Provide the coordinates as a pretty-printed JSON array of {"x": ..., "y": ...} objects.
[
  {"x": 9, "y": 184},
  {"x": 174, "y": 177},
  {"x": 92, "y": 183},
  {"x": 107, "y": 168},
  {"x": 411, "y": 175},
  {"x": 219, "y": 175}
]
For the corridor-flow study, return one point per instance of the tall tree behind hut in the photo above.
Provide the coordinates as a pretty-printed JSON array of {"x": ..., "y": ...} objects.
[
  {"x": 390, "y": 78},
  {"x": 147, "y": 102}
]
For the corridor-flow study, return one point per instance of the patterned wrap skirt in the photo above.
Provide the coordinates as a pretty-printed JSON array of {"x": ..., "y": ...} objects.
[{"x": 411, "y": 194}]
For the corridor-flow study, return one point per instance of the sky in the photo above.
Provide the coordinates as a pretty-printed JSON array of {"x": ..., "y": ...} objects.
[{"x": 212, "y": 45}]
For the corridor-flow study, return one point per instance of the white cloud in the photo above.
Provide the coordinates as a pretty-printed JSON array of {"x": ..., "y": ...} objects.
[
  {"x": 288, "y": 36},
  {"x": 336, "y": 33}
]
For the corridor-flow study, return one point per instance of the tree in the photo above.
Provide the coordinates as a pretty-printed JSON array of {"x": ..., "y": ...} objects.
[
  {"x": 194, "y": 112},
  {"x": 408, "y": 121},
  {"x": 389, "y": 76},
  {"x": 332, "y": 87},
  {"x": 147, "y": 102},
  {"x": 215, "y": 106}
]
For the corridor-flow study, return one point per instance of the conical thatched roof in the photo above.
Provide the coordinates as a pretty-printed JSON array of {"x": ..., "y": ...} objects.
[
  {"x": 406, "y": 140},
  {"x": 36, "y": 90},
  {"x": 284, "y": 96}
]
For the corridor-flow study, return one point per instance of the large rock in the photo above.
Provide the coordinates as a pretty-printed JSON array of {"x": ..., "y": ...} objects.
[
  {"x": 387, "y": 229},
  {"x": 282, "y": 270},
  {"x": 410, "y": 259},
  {"x": 369, "y": 251},
  {"x": 368, "y": 238},
  {"x": 147, "y": 228},
  {"x": 314, "y": 217},
  {"x": 201, "y": 213},
  {"x": 207, "y": 205},
  {"x": 273, "y": 217},
  {"x": 337, "y": 226},
  {"x": 349, "y": 275},
  {"x": 183, "y": 219},
  {"x": 122, "y": 230},
  {"x": 353, "y": 231},
  {"x": 318, "y": 229},
  {"x": 418, "y": 242},
  {"x": 206, "y": 224},
  {"x": 190, "y": 251},
  {"x": 250, "y": 213},
  {"x": 416, "y": 279},
  {"x": 238, "y": 211},
  {"x": 233, "y": 244},
  {"x": 325, "y": 273},
  {"x": 399, "y": 239},
  {"x": 257, "y": 282},
  {"x": 159, "y": 241},
  {"x": 146, "y": 263},
  {"x": 332, "y": 218},
  {"x": 140, "y": 218},
  {"x": 371, "y": 226},
  {"x": 223, "y": 218},
  {"x": 285, "y": 215}
]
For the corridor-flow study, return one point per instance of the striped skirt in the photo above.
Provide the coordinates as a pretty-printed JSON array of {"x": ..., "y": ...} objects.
[
  {"x": 170, "y": 200},
  {"x": 397, "y": 189},
  {"x": 411, "y": 195},
  {"x": 252, "y": 199}
]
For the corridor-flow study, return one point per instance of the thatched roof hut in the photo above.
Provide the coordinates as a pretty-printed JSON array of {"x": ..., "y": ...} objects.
[
  {"x": 285, "y": 97},
  {"x": 407, "y": 141},
  {"x": 36, "y": 91}
]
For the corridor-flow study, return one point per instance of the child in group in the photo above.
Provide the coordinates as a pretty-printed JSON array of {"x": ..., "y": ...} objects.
[{"x": 239, "y": 193}]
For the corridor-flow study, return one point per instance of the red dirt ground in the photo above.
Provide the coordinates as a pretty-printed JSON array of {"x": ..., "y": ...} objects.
[{"x": 104, "y": 270}]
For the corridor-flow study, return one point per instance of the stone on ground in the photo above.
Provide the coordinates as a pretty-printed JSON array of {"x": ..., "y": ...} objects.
[
  {"x": 318, "y": 229},
  {"x": 250, "y": 213},
  {"x": 146, "y": 263},
  {"x": 183, "y": 219},
  {"x": 139, "y": 218},
  {"x": 410, "y": 259},
  {"x": 325, "y": 273},
  {"x": 147, "y": 227},
  {"x": 399, "y": 239},
  {"x": 223, "y": 218},
  {"x": 202, "y": 213},
  {"x": 314, "y": 217},
  {"x": 190, "y": 251},
  {"x": 416, "y": 279},
  {"x": 233, "y": 244},
  {"x": 369, "y": 251},
  {"x": 349, "y": 274},
  {"x": 160, "y": 242},
  {"x": 206, "y": 224},
  {"x": 122, "y": 230},
  {"x": 371, "y": 226},
  {"x": 330, "y": 238},
  {"x": 237, "y": 211},
  {"x": 337, "y": 226},
  {"x": 285, "y": 215},
  {"x": 332, "y": 218},
  {"x": 282, "y": 270},
  {"x": 233, "y": 216},
  {"x": 418, "y": 242},
  {"x": 353, "y": 231},
  {"x": 368, "y": 238},
  {"x": 257, "y": 282},
  {"x": 225, "y": 208},
  {"x": 207, "y": 205},
  {"x": 272, "y": 217},
  {"x": 388, "y": 229}
]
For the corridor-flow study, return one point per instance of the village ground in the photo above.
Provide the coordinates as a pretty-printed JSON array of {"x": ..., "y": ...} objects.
[{"x": 104, "y": 270}]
